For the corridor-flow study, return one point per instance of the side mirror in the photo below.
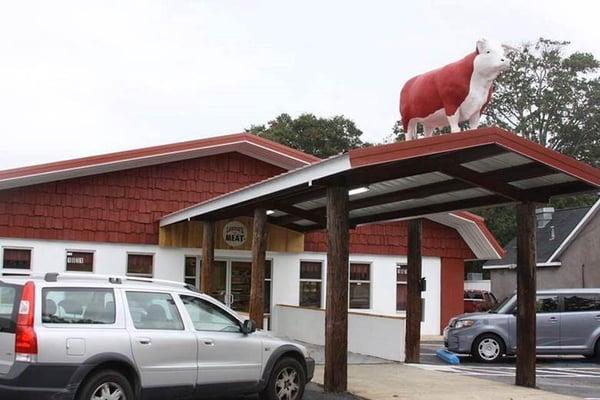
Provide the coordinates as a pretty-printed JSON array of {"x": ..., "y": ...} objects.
[{"x": 248, "y": 327}]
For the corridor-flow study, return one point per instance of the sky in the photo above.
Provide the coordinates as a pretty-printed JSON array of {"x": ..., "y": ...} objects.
[{"x": 80, "y": 78}]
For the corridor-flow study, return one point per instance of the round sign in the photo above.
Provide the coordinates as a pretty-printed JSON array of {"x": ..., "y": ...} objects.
[{"x": 234, "y": 233}]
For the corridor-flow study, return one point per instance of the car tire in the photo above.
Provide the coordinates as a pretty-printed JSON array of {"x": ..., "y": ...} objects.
[
  {"x": 488, "y": 348},
  {"x": 286, "y": 382},
  {"x": 106, "y": 380}
]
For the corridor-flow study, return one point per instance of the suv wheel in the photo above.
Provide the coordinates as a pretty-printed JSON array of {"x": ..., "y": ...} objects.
[
  {"x": 286, "y": 382},
  {"x": 488, "y": 348},
  {"x": 106, "y": 385}
]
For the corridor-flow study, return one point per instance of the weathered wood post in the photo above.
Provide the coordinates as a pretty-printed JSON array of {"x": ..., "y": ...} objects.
[
  {"x": 257, "y": 279},
  {"x": 526, "y": 294},
  {"x": 208, "y": 256},
  {"x": 336, "y": 313},
  {"x": 413, "y": 289}
]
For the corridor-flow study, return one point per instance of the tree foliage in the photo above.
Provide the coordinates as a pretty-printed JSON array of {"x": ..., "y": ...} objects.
[
  {"x": 322, "y": 137},
  {"x": 550, "y": 98}
]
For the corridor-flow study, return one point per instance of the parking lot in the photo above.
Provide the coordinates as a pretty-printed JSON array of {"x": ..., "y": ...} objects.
[{"x": 569, "y": 375}]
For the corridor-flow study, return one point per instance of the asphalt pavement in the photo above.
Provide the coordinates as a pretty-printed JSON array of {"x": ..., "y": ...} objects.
[
  {"x": 569, "y": 375},
  {"x": 312, "y": 392}
]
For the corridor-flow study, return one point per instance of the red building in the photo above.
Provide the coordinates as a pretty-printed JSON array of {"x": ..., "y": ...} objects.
[{"x": 101, "y": 214}]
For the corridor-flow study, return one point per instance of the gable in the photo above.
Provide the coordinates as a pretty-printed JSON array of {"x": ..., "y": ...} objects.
[{"x": 123, "y": 206}]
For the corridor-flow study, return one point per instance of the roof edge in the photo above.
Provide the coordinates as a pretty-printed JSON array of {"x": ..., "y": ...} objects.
[
  {"x": 578, "y": 228},
  {"x": 282, "y": 155}
]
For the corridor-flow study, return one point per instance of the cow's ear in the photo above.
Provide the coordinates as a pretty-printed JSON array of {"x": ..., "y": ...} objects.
[{"x": 481, "y": 45}]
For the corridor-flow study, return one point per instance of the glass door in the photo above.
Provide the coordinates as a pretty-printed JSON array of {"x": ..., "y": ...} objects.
[
  {"x": 240, "y": 286},
  {"x": 219, "y": 281}
]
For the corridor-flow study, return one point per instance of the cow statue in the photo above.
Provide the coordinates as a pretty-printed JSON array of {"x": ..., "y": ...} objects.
[{"x": 452, "y": 94}]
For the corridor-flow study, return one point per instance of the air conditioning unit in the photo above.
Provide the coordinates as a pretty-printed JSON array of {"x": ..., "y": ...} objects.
[{"x": 474, "y": 276}]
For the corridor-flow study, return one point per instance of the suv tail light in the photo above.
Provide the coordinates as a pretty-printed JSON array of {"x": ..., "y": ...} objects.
[{"x": 26, "y": 339}]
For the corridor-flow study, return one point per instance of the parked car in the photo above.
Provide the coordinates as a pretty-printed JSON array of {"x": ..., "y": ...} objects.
[
  {"x": 568, "y": 322},
  {"x": 479, "y": 301},
  {"x": 90, "y": 337}
]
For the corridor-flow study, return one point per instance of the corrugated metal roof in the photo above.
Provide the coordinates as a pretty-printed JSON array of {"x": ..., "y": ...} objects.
[
  {"x": 543, "y": 181},
  {"x": 497, "y": 162}
]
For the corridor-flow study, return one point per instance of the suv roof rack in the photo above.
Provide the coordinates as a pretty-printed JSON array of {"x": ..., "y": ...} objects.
[{"x": 115, "y": 279}]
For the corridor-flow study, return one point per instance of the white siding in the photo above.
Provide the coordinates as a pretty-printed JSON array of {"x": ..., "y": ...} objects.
[{"x": 110, "y": 258}]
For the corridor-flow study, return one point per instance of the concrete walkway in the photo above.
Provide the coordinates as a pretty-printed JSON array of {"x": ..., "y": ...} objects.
[{"x": 402, "y": 381}]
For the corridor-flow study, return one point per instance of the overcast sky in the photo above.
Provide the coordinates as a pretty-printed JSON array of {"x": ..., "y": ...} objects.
[{"x": 80, "y": 78}]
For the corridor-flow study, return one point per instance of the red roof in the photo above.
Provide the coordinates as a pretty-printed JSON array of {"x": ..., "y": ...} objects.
[{"x": 245, "y": 143}]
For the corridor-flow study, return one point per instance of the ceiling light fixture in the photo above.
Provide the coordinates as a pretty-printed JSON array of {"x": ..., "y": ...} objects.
[{"x": 358, "y": 190}]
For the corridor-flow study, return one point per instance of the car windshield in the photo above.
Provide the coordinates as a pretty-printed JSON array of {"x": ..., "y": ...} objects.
[{"x": 504, "y": 307}]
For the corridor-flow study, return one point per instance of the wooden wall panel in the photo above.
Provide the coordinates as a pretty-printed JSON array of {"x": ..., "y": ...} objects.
[{"x": 189, "y": 234}]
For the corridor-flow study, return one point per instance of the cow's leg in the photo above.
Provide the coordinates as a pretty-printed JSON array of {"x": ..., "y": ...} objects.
[
  {"x": 453, "y": 121},
  {"x": 474, "y": 121},
  {"x": 411, "y": 131},
  {"x": 427, "y": 130}
]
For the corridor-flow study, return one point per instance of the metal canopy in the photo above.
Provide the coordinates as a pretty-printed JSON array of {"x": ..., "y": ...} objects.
[{"x": 472, "y": 169}]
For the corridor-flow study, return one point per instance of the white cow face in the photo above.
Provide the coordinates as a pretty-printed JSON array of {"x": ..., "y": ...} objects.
[{"x": 491, "y": 59}]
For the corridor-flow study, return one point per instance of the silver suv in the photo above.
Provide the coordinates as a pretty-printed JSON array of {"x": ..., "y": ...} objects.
[
  {"x": 90, "y": 337},
  {"x": 568, "y": 322}
]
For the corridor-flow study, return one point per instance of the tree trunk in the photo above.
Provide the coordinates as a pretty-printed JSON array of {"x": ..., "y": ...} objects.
[
  {"x": 336, "y": 313},
  {"x": 413, "y": 289},
  {"x": 208, "y": 256},
  {"x": 257, "y": 282},
  {"x": 526, "y": 295}
]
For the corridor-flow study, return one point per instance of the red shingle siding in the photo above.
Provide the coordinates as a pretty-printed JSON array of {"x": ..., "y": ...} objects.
[
  {"x": 125, "y": 206},
  {"x": 390, "y": 239}
]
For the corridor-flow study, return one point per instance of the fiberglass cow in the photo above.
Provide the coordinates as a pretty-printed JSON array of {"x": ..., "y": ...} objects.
[{"x": 452, "y": 94}]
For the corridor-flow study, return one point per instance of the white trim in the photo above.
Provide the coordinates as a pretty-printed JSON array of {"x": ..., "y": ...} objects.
[
  {"x": 144, "y": 161},
  {"x": 304, "y": 175},
  {"x": 578, "y": 228},
  {"x": 514, "y": 266},
  {"x": 471, "y": 233}
]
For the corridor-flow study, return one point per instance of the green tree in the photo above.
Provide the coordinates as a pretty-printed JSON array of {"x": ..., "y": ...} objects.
[
  {"x": 551, "y": 98},
  {"x": 322, "y": 137}
]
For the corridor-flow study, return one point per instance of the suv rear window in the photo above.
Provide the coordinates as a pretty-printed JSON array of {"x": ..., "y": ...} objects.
[
  {"x": 78, "y": 306},
  {"x": 8, "y": 307}
]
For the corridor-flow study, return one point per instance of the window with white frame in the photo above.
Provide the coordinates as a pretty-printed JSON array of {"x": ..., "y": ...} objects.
[
  {"x": 360, "y": 285},
  {"x": 140, "y": 265},
  {"x": 401, "y": 274},
  {"x": 192, "y": 271},
  {"x": 267, "y": 288},
  {"x": 311, "y": 278},
  {"x": 16, "y": 258},
  {"x": 80, "y": 261}
]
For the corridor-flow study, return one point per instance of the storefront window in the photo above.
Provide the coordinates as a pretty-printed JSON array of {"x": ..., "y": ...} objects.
[
  {"x": 401, "y": 272},
  {"x": 310, "y": 283},
  {"x": 16, "y": 259},
  {"x": 360, "y": 285},
  {"x": 140, "y": 265},
  {"x": 80, "y": 261},
  {"x": 192, "y": 271}
]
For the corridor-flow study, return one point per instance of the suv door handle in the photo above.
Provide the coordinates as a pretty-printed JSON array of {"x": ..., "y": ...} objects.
[
  {"x": 598, "y": 317},
  {"x": 208, "y": 342},
  {"x": 144, "y": 340},
  {"x": 553, "y": 319}
]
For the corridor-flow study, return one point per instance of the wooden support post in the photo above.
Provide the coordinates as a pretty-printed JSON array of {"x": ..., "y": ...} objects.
[
  {"x": 526, "y": 294},
  {"x": 208, "y": 256},
  {"x": 413, "y": 303},
  {"x": 336, "y": 312},
  {"x": 257, "y": 280}
]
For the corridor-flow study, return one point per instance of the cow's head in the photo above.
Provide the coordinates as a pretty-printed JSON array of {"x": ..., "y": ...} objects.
[{"x": 491, "y": 58}]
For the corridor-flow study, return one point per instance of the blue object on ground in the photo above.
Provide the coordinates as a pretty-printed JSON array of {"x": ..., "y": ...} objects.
[{"x": 448, "y": 356}]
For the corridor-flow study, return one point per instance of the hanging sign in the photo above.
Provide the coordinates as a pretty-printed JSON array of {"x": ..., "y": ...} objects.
[{"x": 234, "y": 233}]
